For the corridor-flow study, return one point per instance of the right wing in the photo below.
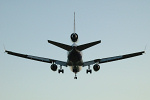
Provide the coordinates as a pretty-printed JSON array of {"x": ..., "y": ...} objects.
[
  {"x": 47, "y": 60},
  {"x": 109, "y": 59}
]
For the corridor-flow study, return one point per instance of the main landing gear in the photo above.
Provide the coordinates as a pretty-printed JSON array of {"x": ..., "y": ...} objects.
[
  {"x": 60, "y": 70},
  {"x": 88, "y": 70}
]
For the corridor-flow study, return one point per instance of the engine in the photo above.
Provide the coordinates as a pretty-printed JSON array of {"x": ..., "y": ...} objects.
[
  {"x": 74, "y": 37},
  {"x": 53, "y": 67},
  {"x": 96, "y": 67}
]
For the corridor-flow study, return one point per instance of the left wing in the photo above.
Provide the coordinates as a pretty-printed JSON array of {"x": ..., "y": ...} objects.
[
  {"x": 109, "y": 59},
  {"x": 47, "y": 60}
]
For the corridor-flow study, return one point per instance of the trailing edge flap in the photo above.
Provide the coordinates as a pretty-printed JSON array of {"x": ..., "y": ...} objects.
[
  {"x": 63, "y": 46},
  {"x": 85, "y": 46}
]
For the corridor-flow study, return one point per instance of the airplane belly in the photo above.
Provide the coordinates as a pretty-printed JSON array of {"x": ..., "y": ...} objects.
[
  {"x": 75, "y": 69},
  {"x": 75, "y": 60},
  {"x": 74, "y": 56}
]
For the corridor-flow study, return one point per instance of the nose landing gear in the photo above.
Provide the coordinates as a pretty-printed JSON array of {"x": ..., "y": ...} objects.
[{"x": 75, "y": 76}]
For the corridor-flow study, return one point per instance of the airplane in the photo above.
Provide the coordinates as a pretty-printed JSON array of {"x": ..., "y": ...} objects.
[{"x": 74, "y": 60}]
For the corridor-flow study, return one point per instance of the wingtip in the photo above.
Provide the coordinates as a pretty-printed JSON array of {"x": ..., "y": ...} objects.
[
  {"x": 48, "y": 41},
  {"x": 142, "y": 52},
  {"x": 6, "y": 51},
  {"x": 100, "y": 41}
]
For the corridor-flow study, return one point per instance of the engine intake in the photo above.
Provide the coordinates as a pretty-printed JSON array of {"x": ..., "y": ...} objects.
[
  {"x": 53, "y": 67},
  {"x": 74, "y": 37},
  {"x": 96, "y": 67}
]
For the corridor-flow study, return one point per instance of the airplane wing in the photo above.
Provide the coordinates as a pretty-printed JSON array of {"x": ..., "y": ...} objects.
[
  {"x": 109, "y": 59},
  {"x": 47, "y": 60}
]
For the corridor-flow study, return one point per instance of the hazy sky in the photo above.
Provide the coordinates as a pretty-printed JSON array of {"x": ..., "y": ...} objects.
[{"x": 123, "y": 26}]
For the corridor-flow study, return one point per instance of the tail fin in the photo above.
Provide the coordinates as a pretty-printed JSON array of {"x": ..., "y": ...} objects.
[
  {"x": 74, "y": 22},
  {"x": 74, "y": 36}
]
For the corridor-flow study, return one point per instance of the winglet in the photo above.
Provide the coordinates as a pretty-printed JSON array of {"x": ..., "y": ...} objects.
[
  {"x": 145, "y": 48},
  {"x": 4, "y": 48}
]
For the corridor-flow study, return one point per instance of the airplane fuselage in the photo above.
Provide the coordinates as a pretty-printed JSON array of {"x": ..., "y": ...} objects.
[{"x": 75, "y": 59}]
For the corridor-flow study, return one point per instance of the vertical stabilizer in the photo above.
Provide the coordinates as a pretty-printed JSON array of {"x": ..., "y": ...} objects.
[
  {"x": 74, "y": 22},
  {"x": 74, "y": 36}
]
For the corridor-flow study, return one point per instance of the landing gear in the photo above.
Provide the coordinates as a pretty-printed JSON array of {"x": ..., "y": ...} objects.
[
  {"x": 75, "y": 76},
  {"x": 60, "y": 70},
  {"x": 88, "y": 70}
]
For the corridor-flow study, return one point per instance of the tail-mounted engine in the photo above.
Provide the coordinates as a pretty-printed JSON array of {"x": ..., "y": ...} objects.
[
  {"x": 53, "y": 67},
  {"x": 74, "y": 37},
  {"x": 96, "y": 67}
]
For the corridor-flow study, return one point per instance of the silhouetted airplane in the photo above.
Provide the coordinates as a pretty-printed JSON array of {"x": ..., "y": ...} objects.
[{"x": 74, "y": 56}]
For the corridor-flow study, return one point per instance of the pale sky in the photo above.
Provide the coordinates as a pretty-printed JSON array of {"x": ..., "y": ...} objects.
[{"x": 121, "y": 25}]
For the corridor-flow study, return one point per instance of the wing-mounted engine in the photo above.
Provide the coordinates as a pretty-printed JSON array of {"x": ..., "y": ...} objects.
[
  {"x": 96, "y": 67},
  {"x": 53, "y": 67},
  {"x": 74, "y": 37}
]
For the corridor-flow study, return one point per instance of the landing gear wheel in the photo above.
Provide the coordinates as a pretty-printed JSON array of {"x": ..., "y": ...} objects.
[
  {"x": 60, "y": 70},
  {"x": 88, "y": 70},
  {"x": 75, "y": 77}
]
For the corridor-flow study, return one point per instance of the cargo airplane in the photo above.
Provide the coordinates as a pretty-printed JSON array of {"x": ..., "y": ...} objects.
[{"x": 74, "y": 56}]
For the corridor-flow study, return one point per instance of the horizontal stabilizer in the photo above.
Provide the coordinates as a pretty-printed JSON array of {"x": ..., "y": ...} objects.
[
  {"x": 63, "y": 46},
  {"x": 85, "y": 46}
]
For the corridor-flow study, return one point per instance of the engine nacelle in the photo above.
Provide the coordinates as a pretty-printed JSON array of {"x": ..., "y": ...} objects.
[
  {"x": 96, "y": 67},
  {"x": 53, "y": 67},
  {"x": 74, "y": 37}
]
